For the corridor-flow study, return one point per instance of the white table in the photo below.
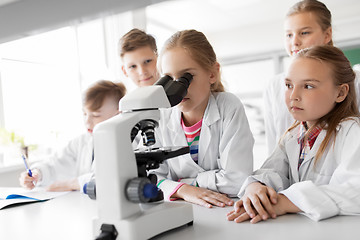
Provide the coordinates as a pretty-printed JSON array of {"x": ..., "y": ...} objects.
[{"x": 70, "y": 217}]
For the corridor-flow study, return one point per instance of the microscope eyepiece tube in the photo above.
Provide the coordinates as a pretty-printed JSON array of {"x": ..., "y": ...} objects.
[
  {"x": 185, "y": 79},
  {"x": 163, "y": 81},
  {"x": 176, "y": 89}
]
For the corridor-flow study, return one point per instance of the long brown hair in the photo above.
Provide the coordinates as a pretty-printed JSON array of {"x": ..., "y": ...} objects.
[
  {"x": 319, "y": 9},
  {"x": 198, "y": 47},
  {"x": 342, "y": 73}
]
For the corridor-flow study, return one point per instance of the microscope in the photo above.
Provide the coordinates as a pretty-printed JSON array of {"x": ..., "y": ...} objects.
[{"x": 129, "y": 204}]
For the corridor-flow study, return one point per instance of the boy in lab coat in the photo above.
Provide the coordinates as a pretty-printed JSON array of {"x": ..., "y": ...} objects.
[{"x": 73, "y": 167}]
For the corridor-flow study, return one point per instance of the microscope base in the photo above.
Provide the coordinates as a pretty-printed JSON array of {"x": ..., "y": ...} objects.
[{"x": 154, "y": 219}]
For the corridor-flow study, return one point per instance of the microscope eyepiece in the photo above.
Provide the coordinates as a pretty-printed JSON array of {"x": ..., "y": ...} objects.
[
  {"x": 176, "y": 89},
  {"x": 185, "y": 79}
]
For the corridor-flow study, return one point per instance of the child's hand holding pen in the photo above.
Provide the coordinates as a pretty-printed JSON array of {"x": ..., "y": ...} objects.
[{"x": 29, "y": 178}]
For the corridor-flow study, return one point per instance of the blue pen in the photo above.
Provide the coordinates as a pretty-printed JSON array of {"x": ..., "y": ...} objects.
[{"x": 26, "y": 166}]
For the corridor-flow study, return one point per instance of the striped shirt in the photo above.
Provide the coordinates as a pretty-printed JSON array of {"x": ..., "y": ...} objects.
[{"x": 192, "y": 135}]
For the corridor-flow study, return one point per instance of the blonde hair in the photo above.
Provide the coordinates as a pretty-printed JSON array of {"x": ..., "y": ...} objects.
[
  {"x": 198, "y": 47},
  {"x": 135, "y": 39},
  {"x": 342, "y": 73},
  {"x": 319, "y": 9},
  {"x": 95, "y": 95}
]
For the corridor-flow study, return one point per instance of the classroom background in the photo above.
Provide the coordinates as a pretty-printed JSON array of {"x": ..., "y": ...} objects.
[{"x": 47, "y": 60}]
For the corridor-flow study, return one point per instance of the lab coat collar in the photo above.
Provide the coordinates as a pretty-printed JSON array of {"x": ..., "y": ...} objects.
[
  {"x": 211, "y": 116},
  {"x": 299, "y": 174},
  {"x": 174, "y": 125},
  {"x": 293, "y": 149}
]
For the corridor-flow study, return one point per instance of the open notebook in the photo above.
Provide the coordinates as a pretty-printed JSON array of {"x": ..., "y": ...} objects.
[{"x": 12, "y": 196}]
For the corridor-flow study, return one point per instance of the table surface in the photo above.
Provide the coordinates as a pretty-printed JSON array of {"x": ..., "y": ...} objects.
[{"x": 70, "y": 217}]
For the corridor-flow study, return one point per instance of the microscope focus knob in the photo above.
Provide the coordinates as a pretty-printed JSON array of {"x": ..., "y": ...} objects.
[{"x": 140, "y": 190}]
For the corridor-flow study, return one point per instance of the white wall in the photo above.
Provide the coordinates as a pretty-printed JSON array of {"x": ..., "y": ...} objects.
[{"x": 9, "y": 177}]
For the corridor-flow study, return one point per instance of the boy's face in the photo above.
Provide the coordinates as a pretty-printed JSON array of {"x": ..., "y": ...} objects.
[
  {"x": 109, "y": 109},
  {"x": 140, "y": 66}
]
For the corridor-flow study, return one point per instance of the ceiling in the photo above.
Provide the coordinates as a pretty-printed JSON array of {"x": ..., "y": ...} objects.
[
  {"x": 234, "y": 27},
  {"x": 247, "y": 27},
  {"x": 4, "y": 2}
]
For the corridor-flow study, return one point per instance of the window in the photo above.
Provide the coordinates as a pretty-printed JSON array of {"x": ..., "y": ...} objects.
[
  {"x": 247, "y": 81},
  {"x": 40, "y": 93},
  {"x": 41, "y": 81}
]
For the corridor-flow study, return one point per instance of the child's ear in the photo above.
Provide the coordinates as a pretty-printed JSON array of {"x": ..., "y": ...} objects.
[
  {"x": 124, "y": 71},
  {"x": 214, "y": 73},
  {"x": 328, "y": 35},
  {"x": 343, "y": 92}
]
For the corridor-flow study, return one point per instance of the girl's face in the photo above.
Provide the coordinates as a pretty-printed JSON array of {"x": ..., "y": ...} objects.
[
  {"x": 108, "y": 109},
  {"x": 310, "y": 92},
  {"x": 140, "y": 66},
  {"x": 175, "y": 62},
  {"x": 303, "y": 31}
]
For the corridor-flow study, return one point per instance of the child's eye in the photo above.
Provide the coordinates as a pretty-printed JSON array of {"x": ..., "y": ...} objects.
[
  {"x": 289, "y": 35},
  {"x": 132, "y": 66},
  {"x": 288, "y": 85},
  {"x": 148, "y": 61},
  {"x": 305, "y": 33},
  {"x": 307, "y": 86}
]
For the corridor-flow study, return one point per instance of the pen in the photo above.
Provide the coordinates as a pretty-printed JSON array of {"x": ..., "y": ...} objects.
[{"x": 26, "y": 166}]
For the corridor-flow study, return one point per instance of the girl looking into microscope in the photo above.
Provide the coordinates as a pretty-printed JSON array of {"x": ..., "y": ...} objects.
[{"x": 208, "y": 120}]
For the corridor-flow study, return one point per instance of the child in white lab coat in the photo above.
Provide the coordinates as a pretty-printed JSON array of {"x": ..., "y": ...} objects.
[
  {"x": 212, "y": 122},
  {"x": 73, "y": 166},
  {"x": 307, "y": 23},
  {"x": 138, "y": 54},
  {"x": 315, "y": 169}
]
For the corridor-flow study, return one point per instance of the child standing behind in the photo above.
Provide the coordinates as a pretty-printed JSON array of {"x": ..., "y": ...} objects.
[
  {"x": 138, "y": 53},
  {"x": 74, "y": 167},
  {"x": 212, "y": 122},
  {"x": 315, "y": 168},
  {"x": 307, "y": 24}
]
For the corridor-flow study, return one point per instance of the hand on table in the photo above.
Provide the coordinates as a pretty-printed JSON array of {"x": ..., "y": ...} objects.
[
  {"x": 62, "y": 186},
  {"x": 202, "y": 196},
  {"x": 259, "y": 203}
]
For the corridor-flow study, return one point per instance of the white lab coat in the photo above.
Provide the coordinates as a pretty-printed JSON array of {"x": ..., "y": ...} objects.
[
  {"x": 225, "y": 147},
  {"x": 276, "y": 115},
  {"x": 74, "y": 161},
  {"x": 331, "y": 187}
]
